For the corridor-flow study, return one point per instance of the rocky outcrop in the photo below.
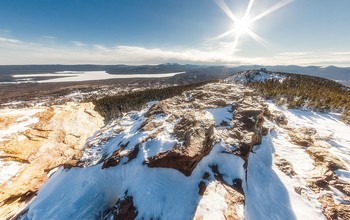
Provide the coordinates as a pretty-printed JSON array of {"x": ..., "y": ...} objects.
[
  {"x": 258, "y": 75},
  {"x": 333, "y": 211},
  {"x": 233, "y": 200},
  {"x": 332, "y": 192},
  {"x": 195, "y": 131},
  {"x": 124, "y": 209},
  {"x": 55, "y": 139},
  {"x": 303, "y": 136},
  {"x": 247, "y": 128},
  {"x": 205, "y": 136},
  {"x": 284, "y": 165}
]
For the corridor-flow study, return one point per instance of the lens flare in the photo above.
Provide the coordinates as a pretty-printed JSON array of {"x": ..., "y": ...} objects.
[{"x": 242, "y": 26}]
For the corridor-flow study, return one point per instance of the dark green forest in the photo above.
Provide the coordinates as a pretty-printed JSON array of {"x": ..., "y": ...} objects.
[
  {"x": 302, "y": 91},
  {"x": 113, "y": 106}
]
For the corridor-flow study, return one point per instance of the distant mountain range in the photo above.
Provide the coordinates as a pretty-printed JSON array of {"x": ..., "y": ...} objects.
[{"x": 339, "y": 74}]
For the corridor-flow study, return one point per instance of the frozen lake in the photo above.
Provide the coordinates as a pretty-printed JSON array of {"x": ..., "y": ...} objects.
[{"x": 75, "y": 76}]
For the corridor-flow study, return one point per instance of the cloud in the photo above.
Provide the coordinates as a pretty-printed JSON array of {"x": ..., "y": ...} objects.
[
  {"x": 8, "y": 42},
  {"x": 48, "y": 37},
  {"x": 341, "y": 53},
  {"x": 101, "y": 48},
  {"x": 300, "y": 53},
  {"x": 319, "y": 58},
  {"x": 15, "y": 51},
  {"x": 78, "y": 43},
  {"x": 5, "y": 31}
]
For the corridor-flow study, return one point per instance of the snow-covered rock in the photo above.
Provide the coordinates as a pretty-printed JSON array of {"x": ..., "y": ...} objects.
[
  {"x": 250, "y": 76},
  {"x": 35, "y": 141},
  {"x": 162, "y": 157},
  {"x": 217, "y": 152}
]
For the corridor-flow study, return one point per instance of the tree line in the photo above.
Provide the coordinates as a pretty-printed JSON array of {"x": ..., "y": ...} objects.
[
  {"x": 111, "y": 107},
  {"x": 310, "y": 92}
]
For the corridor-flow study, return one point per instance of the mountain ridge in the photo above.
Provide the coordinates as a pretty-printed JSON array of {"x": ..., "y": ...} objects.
[{"x": 221, "y": 142}]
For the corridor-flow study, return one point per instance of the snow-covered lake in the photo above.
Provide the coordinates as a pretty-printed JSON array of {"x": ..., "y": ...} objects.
[{"x": 75, "y": 76}]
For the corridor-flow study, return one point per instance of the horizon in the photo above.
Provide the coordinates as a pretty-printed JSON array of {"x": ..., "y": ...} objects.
[
  {"x": 181, "y": 64},
  {"x": 212, "y": 32}
]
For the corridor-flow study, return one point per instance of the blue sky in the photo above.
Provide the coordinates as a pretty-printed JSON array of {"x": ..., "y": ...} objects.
[{"x": 302, "y": 32}]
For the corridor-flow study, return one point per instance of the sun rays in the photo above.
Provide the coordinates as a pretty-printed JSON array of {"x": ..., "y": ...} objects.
[{"x": 243, "y": 25}]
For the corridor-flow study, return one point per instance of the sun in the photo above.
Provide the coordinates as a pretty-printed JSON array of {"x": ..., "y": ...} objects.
[{"x": 243, "y": 25}]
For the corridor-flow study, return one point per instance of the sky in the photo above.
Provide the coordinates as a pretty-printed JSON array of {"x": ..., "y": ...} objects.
[{"x": 232, "y": 32}]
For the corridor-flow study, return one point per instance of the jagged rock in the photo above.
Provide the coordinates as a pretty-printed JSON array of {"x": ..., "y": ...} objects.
[
  {"x": 298, "y": 189},
  {"x": 233, "y": 198},
  {"x": 258, "y": 75},
  {"x": 56, "y": 139},
  {"x": 189, "y": 138},
  {"x": 279, "y": 118},
  {"x": 247, "y": 129},
  {"x": 116, "y": 157},
  {"x": 195, "y": 130},
  {"x": 124, "y": 209},
  {"x": 303, "y": 136},
  {"x": 202, "y": 186},
  {"x": 334, "y": 211},
  {"x": 284, "y": 165},
  {"x": 323, "y": 158}
]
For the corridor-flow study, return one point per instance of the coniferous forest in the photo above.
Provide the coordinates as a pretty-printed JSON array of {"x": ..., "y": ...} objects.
[{"x": 307, "y": 92}]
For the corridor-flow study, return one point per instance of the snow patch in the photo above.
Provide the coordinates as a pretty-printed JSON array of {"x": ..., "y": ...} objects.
[
  {"x": 222, "y": 116},
  {"x": 327, "y": 125},
  {"x": 24, "y": 119},
  {"x": 270, "y": 193},
  {"x": 86, "y": 193},
  {"x": 8, "y": 169},
  {"x": 212, "y": 205}
]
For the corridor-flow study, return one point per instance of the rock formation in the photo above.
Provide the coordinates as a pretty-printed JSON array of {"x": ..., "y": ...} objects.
[{"x": 54, "y": 140}]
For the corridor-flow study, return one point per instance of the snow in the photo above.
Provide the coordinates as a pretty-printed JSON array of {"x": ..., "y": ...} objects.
[
  {"x": 302, "y": 163},
  {"x": 327, "y": 125},
  {"x": 254, "y": 76},
  {"x": 212, "y": 205},
  {"x": 266, "y": 197},
  {"x": 86, "y": 193},
  {"x": 74, "y": 76},
  {"x": 8, "y": 169},
  {"x": 343, "y": 175},
  {"x": 331, "y": 130},
  {"x": 24, "y": 119},
  {"x": 270, "y": 193},
  {"x": 221, "y": 115}
]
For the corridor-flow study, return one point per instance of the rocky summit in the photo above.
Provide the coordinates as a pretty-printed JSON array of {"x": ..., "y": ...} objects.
[{"x": 220, "y": 151}]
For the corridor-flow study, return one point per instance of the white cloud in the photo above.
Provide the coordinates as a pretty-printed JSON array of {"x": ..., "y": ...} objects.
[
  {"x": 9, "y": 42},
  {"x": 341, "y": 53},
  {"x": 319, "y": 58},
  {"x": 15, "y": 51},
  {"x": 5, "y": 31},
  {"x": 48, "y": 37},
  {"x": 78, "y": 43},
  {"x": 101, "y": 48}
]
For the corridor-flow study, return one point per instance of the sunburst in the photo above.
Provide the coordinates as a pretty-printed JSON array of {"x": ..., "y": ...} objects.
[{"x": 242, "y": 25}]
